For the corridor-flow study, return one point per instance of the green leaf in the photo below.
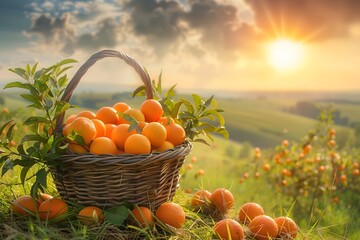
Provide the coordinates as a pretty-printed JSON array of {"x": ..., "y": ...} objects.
[
  {"x": 9, "y": 132},
  {"x": 8, "y": 165},
  {"x": 31, "y": 98},
  {"x": 209, "y": 101},
  {"x": 19, "y": 71},
  {"x": 116, "y": 215},
  {"x": 18, "y": 85},
  {"x": 41, "y": 177},
  {"x": 67, "y": 61},
  {"x": 140, "y": 91},
  {"x": 2, "y": 128},
  {"x": 28, "y": 70},
  {"x": 36, "y": 119},
  {"x": 33, "y": 70},
  {"x": 198, "y": 101},
  {"x": 33, "y": 137},
  {"x": 23, "y": 174}
]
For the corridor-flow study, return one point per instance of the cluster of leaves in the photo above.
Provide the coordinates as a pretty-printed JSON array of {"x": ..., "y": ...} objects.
[
  {"x": 40, "y": 146},
  {"x": 312, "y": 173},
  {"x": 200, "y": 117}
]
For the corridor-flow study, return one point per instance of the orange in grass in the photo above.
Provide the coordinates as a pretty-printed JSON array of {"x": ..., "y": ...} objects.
[
  {"x": 107, "y": 115},
  {"x": 100, "y": 127},
  {"x": 120, "y": 133},
  {"x": 52, "y": 208},
  {"x": 155, "y": 132},
  {"x": 152, "y": 110},
  {"x": 134, "y": 113},
  {"x": 175, "y": 134},
  {"x": 263, "y": 227},
  {"x": 200, "y": 199},
  {"x": 108, "y": 129},
  {"x": 171, "y": 213},
  {"x": 77, "y": 148},
  {"x": 249, "y": 211},
  {"x": 287, "y": 227},
  {"x": 137, "y": 144},
  {"x": 83, "y": 127},
  {"x": 103, "y": 145},
  {"x": 24, "y": 205},
  {"x": 142, "y": 216},
  {"x": 91, "y": 215},
  {"x": 43, "y": 197},
  {"x": 222, "y": 199},
  {"x": 86, "y": 113},
  {"x": 228, "y": 229},
  {"x": 163, "y": 147}
]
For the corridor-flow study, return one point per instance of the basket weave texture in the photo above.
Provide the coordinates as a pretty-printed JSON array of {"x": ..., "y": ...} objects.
[{"x": 113, "y": 180}]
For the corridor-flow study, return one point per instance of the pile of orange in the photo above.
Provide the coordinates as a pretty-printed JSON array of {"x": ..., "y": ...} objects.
[
  {"x": 110, "y": 130},
  {"x": 45, "y": 207},
  {"x": 251, "y": 220}
]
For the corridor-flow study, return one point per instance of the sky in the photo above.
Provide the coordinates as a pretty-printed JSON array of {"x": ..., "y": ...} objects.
[{"x": 217, "y": 45}]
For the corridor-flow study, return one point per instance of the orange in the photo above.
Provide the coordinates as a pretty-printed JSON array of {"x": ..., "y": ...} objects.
[
  {"x": 70, "y": 119},
  {"x": 248, "y": 211},
  {"x": 43, "y": 197},
  {"x": 263, "y": 227},
  {"x": 137, "y": 144},
  {"x": 86, "y": 113},
  {"x": 103, "y": 145},
  {"x": 120, "y": 133},
  {"x": 163, "y": 147},
  {"x": 77, "y": 148},
  {"x": 24, "y": 205},
  {"x": 134, "y": 113},
  {"x": 107, "y": 115},
  {"x": 228, "y": 229},
  {"x": 175, "y": 134},
  {"x": 152, "y": 110},
  {"x": 222, "y": 199},
  {"x": 141, "y": 125},
  {"x": 121, "y": 106},
  {"x": 171, "y": 213},
  {"x": 100, "y": 127},
  {"x": 83, "y": 127},
  {"x": 52, "y": 208},
  {"x": 155, "y": 132},
  {"x": 166, "y": 120},
  {"x": 200, "y": 198},
  {"x": 142, "y": 216},
  {"x": 91, "y": 215},
  {"x": 287, "y": 227},
  {"x": 108, "y": 129}
]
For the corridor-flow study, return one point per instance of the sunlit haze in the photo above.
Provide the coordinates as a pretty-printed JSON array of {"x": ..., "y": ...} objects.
[{"x": 284, "y": 54}]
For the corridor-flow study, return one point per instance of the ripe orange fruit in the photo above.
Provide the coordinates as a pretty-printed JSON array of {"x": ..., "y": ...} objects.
[
  {"x": 103, "y": 145},
  {"x": 152, "y": 110},
  {"x": 137, "y": 144},
  {"x": 107, "y": 115},
  {"x": 70, "y": 118},
  {"x": 200, "y": 198},
  {"x": 24, "y": 205},
  {"x": 142, "y": 216},
  {"x": 121, "y": 106},
  {"x": 175, "y": 134},
  {"x": 155, "y": 132},
  {"x": 109, "y": 128},
  {"x": 166, "y": 120},
  {"x": 100, "y": 127},
  {"x": 163, "y": 147},
  {"x": 43, "y": 197},
  {"x": 77, "y": 148},
  {"x": 263, "y": 227},
  {"x": 134, "y": 113},
  {"x": 120, "y": 133},
  {"x": 86, "y": 113},
  {"x": 52, "y": 208},
  {"x": 249, "y": 211},
  {"x": 141, "y": 125},
  {"x": 287, "y": 227},
  {"x": 171, "y": 213},
  {"x": 91, "y": 215},
  {"x": 229, "y": 229},
  {"x": 83, "y": 127},
  {"x": 222, "y": 199}
]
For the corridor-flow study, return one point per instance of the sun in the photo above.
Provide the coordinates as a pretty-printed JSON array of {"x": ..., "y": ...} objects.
[{"x": 285, "y": 54}]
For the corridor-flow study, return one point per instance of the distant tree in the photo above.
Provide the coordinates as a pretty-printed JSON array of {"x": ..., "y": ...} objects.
[{"x": 2, "y": 101}]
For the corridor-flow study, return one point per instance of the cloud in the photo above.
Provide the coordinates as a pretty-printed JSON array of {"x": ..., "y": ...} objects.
[{"x": 318, "y": 20}]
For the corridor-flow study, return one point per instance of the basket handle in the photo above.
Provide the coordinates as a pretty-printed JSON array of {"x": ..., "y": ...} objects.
[{"x": 91, "y": 61}]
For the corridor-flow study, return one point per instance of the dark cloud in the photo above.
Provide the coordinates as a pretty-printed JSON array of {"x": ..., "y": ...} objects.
[
  {"x": 105, "y": 36},
  {"x": 320, "y": 19}
]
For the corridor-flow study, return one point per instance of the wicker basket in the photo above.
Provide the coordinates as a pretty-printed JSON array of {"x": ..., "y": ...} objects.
[{"x": 112, "y": 180}]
